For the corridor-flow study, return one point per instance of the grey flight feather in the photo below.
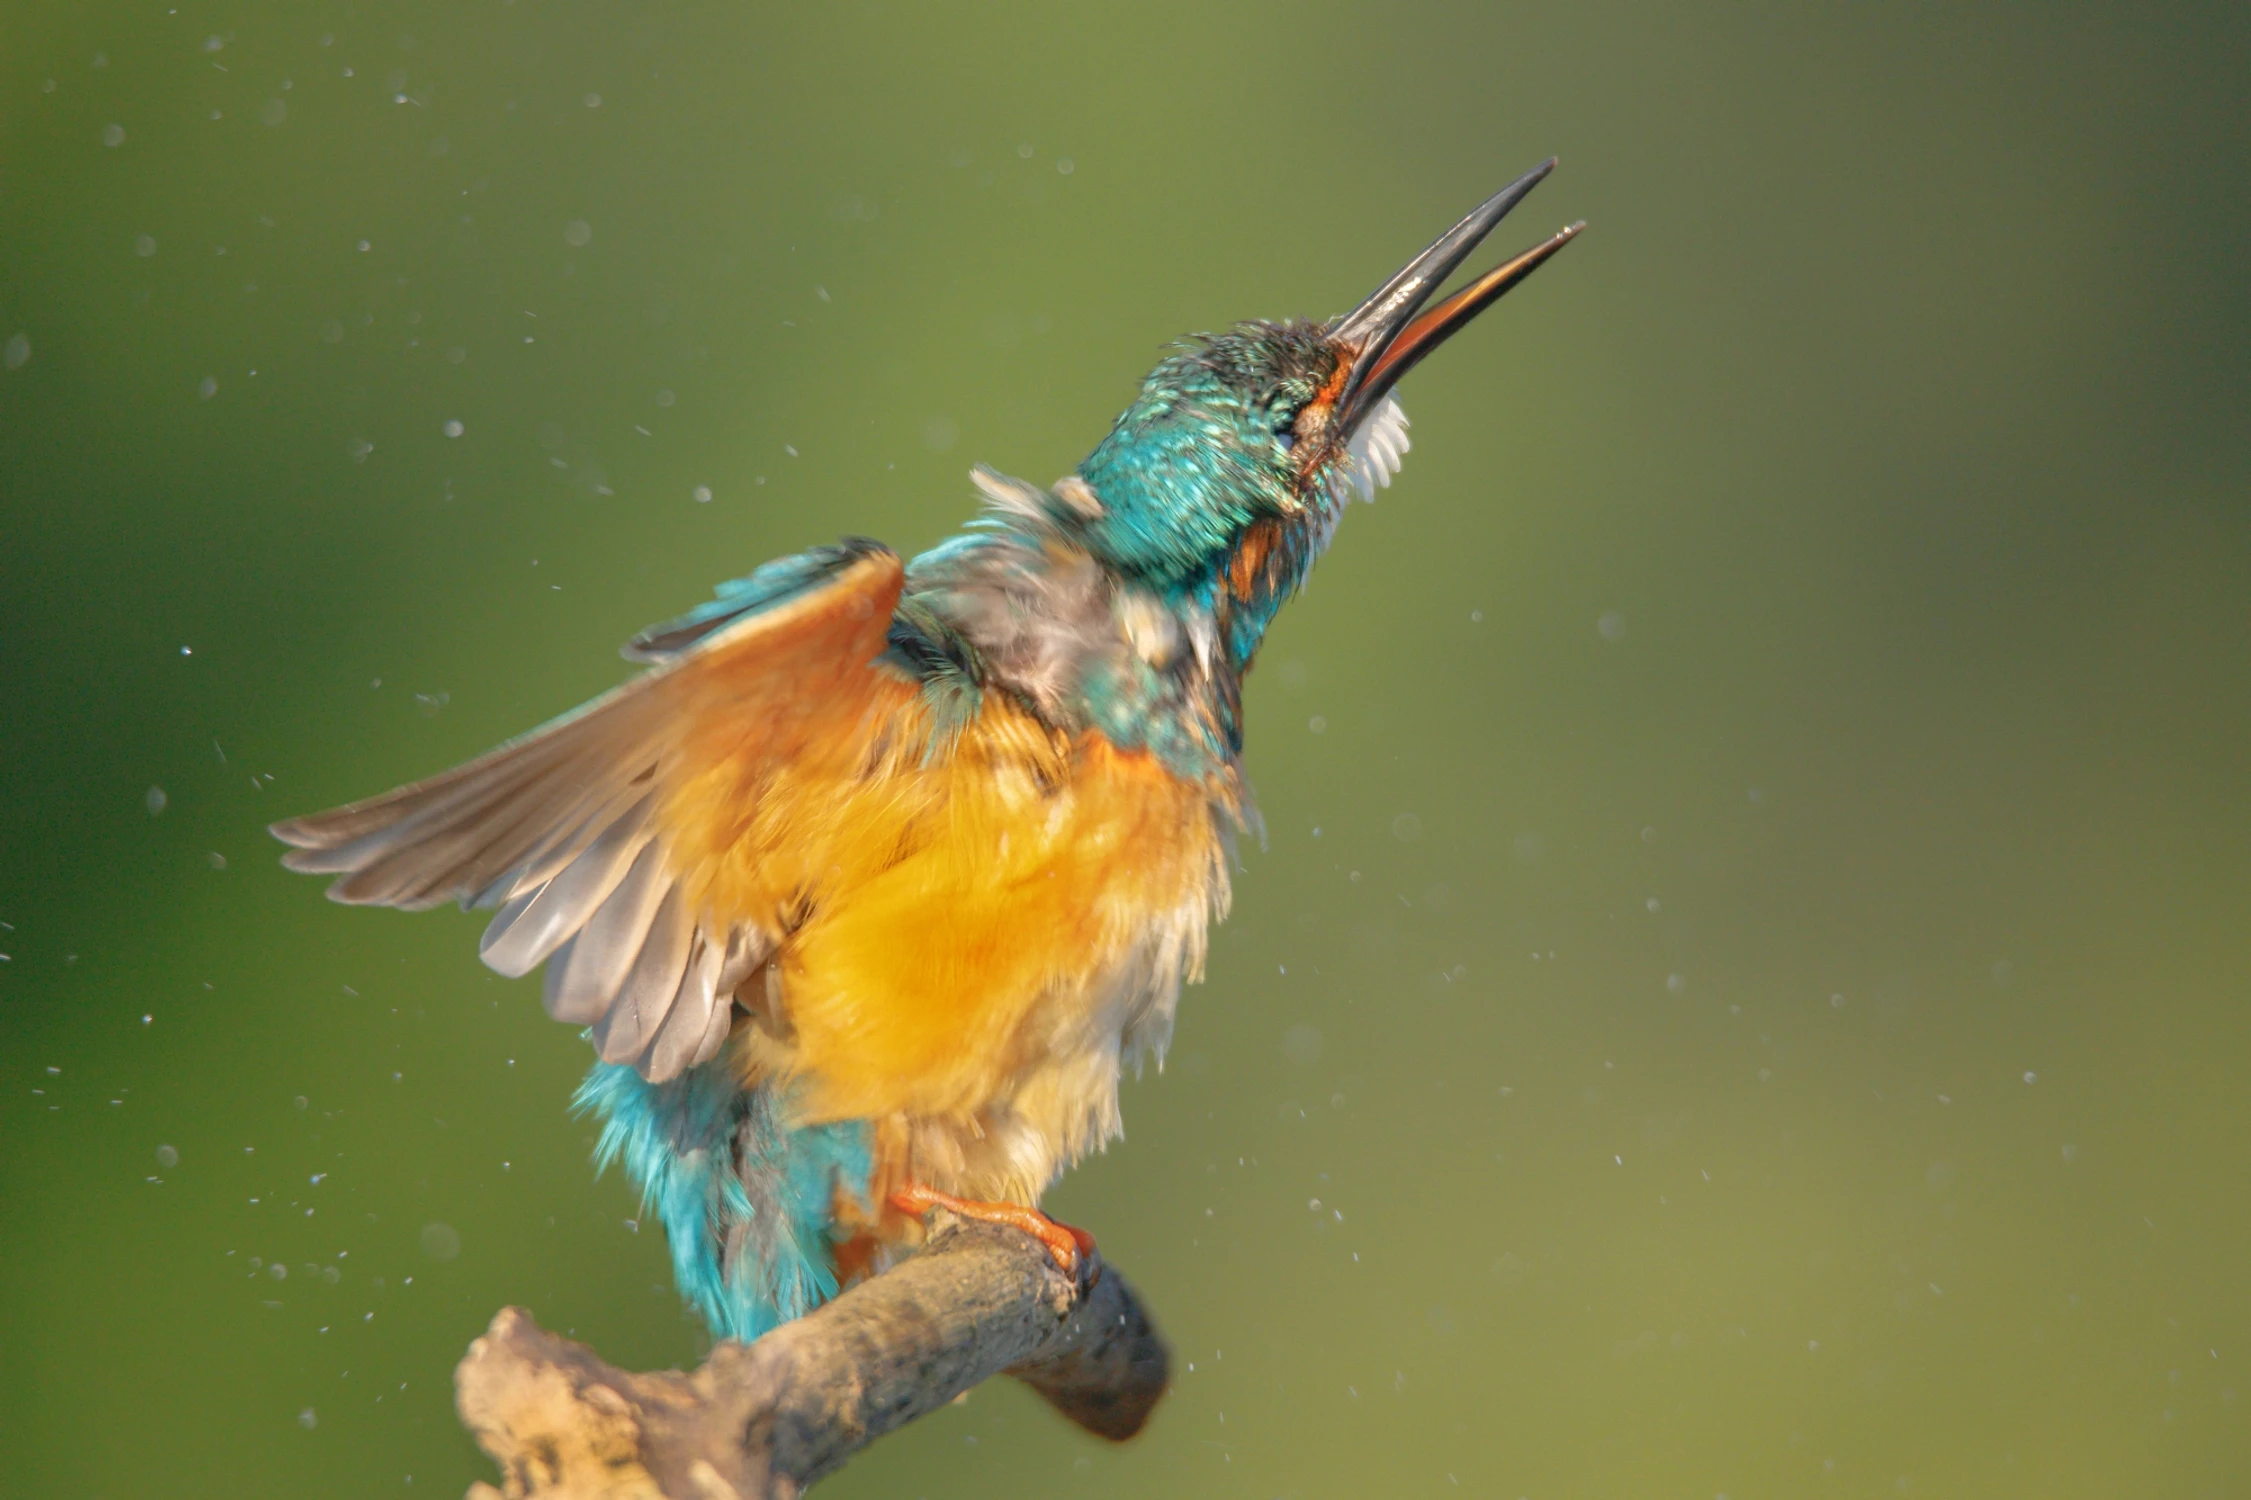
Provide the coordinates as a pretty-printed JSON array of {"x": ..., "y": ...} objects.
[
  {"x": 582, "y": 985},
  {"x": 535, "y": 924}
]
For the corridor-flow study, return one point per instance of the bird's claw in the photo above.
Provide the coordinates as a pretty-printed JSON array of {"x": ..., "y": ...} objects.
[{"x": 1069, "y": 1245}]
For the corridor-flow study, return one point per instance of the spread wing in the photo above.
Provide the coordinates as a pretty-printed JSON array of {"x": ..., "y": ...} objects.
[{"x": 562, "y": 829}]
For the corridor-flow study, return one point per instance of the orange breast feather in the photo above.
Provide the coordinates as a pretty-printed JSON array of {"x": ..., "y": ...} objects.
[{"x": 936, "y": 910}]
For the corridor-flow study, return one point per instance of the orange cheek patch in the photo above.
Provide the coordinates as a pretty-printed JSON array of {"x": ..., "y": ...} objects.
[{"x": 1247, "y": 567}]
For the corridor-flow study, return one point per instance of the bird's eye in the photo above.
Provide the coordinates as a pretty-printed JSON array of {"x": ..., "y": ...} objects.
[{"x": 1285, "y": 433}]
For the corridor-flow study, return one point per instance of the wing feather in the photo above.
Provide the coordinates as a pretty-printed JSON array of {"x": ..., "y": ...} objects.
[
  {"x": 642, "y": 1000},
  {"x": 603, "y": 952},
  {"x": 559, "y": 828},
  {"x": 535, "y": 924},
  {"x": 558, "y": 850},
  {"x": 689, "y": 1021}
]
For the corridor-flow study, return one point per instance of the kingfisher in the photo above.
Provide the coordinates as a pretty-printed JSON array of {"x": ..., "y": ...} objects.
[{"x": 870, "y": 888}]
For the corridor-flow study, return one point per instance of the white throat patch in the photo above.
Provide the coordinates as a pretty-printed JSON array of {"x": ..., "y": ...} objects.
[{"x": 1378, "y": 448}]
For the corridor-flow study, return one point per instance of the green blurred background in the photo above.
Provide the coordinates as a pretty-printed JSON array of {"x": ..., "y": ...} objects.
[{"x": 1745, "y": 993}]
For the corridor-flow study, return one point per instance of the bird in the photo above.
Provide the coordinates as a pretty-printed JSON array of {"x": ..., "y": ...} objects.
[{"x": 871, "y": 887}]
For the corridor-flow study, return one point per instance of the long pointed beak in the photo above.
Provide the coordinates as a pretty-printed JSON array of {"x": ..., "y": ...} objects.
[{"x": 1391, "y": 338}]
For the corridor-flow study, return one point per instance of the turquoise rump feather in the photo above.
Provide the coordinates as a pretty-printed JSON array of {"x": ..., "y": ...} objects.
[{"x": 747, "y": 1202}]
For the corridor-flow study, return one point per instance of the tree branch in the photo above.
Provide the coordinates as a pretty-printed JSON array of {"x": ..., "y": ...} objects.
[{"x": 762, "y": 1421}]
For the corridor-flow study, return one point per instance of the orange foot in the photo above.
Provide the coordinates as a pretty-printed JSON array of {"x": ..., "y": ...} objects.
[{"x": 1065, "y": 1242}]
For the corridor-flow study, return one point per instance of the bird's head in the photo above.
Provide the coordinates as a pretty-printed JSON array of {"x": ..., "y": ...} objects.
[{"x": 1236, "y": 458}]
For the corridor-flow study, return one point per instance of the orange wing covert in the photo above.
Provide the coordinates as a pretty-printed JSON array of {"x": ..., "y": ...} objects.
[{"x": 566, "y": 829}]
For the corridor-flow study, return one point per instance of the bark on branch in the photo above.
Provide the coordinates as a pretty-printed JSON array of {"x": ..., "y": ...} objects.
[{"x": 767, "y": 1419}]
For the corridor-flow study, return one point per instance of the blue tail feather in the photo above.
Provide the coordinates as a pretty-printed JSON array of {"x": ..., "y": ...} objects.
[{"x": 746, "y": 1199}]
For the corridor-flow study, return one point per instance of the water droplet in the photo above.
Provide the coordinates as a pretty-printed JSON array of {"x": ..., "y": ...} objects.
[
  {"x": 18, "y": 351},
  {"x": 1065, "y": 165},
  {"x": 1406, "y": 828},
  {"x": 1025, "y": 151},
  {"x": 593, "y": 101},
  {"x": 1319, "y": 724},
  {"x": 208, "y": 388},
  {"x": 578, "y": 233},
  {"x": 113, "y": 135},
  {"x": 144, "y": 245},
  {"x": 1676, "y": 982},
  {"x": 273, "y": 111},
  {"x": 454, "y": 429},
  {"x": 1611, "y": 626},
  {"x": 308, "y": 1419},
  {"x": 155, "y": 800},
  {"x": 440, "y": 1241},
  {"x": 702, "y": 494},
  {"x": 167, "y": 1157}
]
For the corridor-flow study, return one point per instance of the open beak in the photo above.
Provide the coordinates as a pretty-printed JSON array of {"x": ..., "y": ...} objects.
[{"x": 1392, "y": 331}]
